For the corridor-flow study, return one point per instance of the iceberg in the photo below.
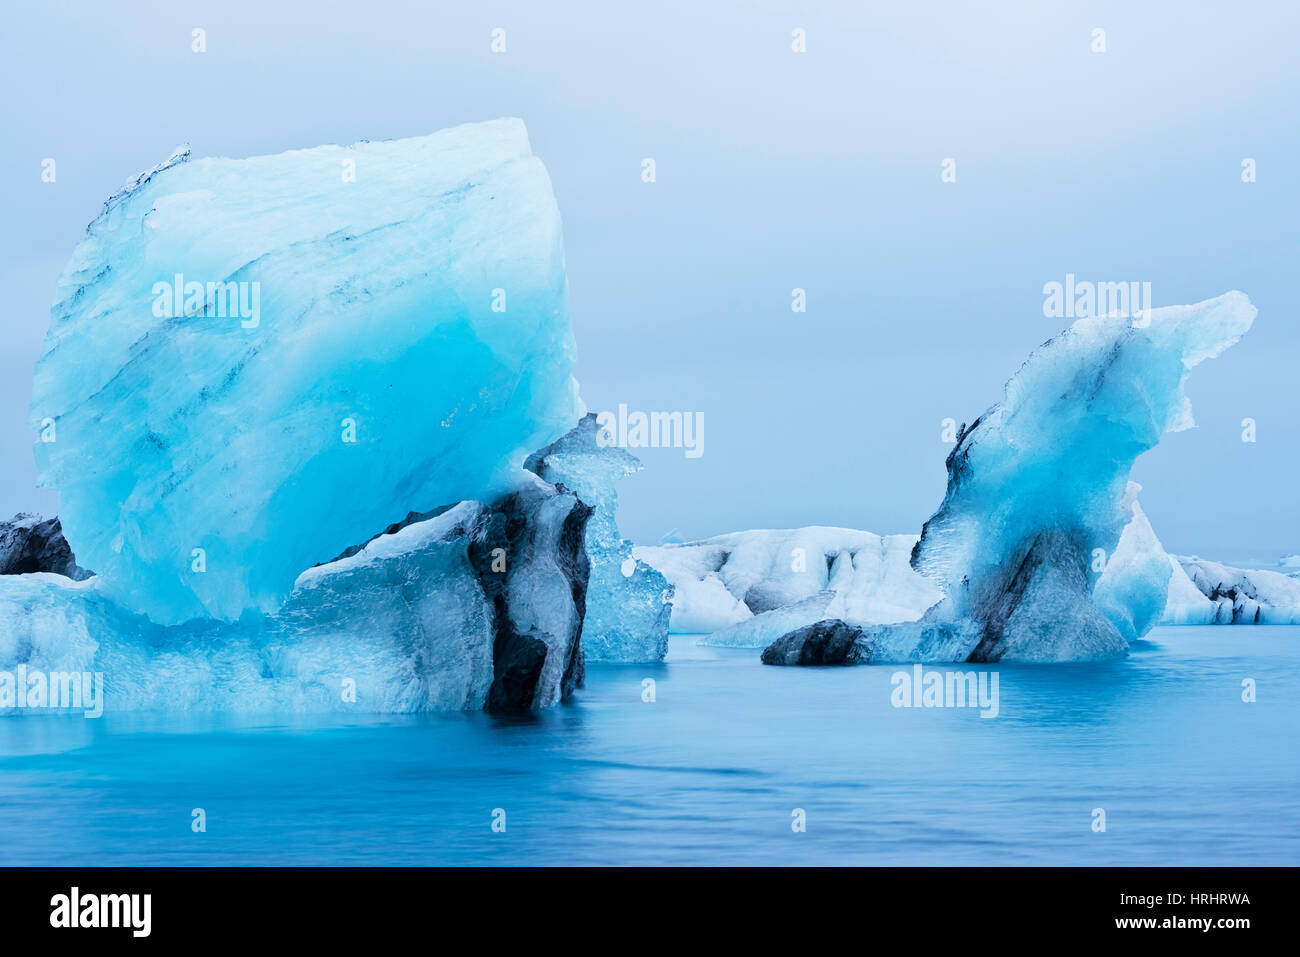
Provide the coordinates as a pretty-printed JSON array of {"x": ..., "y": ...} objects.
[
  {"x": 474, "y": 607},
  {"x": 1210, "y": 593},
  {"x": 701, "y": 602},
  {"x": 1038, "y": 494},
  {"x": 627, "y": 609},
  {"x": 1143, "y": 585},
  {"x": 1135, "y": 582},
  {"x": 347, "y": 638},
  {"x": 255, "y": 363},
  {"x": 746, "y": 589}
]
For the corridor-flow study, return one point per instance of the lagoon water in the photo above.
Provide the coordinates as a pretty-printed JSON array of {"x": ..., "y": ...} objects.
[{"x": 710, "y": 772}]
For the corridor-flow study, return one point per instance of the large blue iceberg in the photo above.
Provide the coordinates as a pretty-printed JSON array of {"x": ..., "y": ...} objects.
[
  {"x": 254, "y": 369},
  {"x": 253, "y": 364},
  {"x": 1038, "y": 496}
]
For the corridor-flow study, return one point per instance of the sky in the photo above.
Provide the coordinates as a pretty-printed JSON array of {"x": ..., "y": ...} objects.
[{"x": 774, "y": 170}]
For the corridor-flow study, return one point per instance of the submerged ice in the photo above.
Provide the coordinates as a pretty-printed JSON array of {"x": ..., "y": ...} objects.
[{"x": 253, "y": 364}]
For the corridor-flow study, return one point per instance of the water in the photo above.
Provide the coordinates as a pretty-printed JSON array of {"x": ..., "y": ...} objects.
[{"x": 707, "y": 774}]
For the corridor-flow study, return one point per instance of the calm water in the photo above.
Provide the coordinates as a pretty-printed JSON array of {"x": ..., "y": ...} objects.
[{"x": 709, "y": 773}]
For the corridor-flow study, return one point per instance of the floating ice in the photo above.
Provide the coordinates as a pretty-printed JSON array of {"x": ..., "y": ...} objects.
[
  {"x": 365, "y": 633},
  {"x": 1144, "y": 585},
  {"x": 748, "y": 588},
  {"x": 474, "y": 607},
  {"x": 1210, "y": 593},
  {"x": 627, "y": 608},
  {"x": 1037, "y": 489},
  {"x": 254, "y": 363},
  {"x": 701, "y": 602},
  {"x": 1037, "y": 499},
  {"x": 1134, "y": 586}
]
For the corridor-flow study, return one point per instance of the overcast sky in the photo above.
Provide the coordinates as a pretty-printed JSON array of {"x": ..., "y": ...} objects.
[{"x": 774, "y": 170}]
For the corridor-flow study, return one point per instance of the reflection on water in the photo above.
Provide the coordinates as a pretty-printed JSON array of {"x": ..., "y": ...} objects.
[{"x": 709, "y": 772}]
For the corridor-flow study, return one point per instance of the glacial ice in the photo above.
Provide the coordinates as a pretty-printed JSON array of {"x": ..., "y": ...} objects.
[
  {"x": 746, "y": 589},
  {"x": 384, "y": 328},
  {"x": 534, "y": 569},
  {"x": 1039, "y": 547},
  {"x": 1140, "y": 586},
  {"x": 1143, "y": 585},
  {"x": 361, "y": 634},
  {"x": 701, "y": 602},
  {"x": 1134, "y": 584},
  {"x": 375, "y": 328},
  {"x": 473, "y": 607},
  {"x": 627, "y": 608},
  {"x": 764, "y": 628},
  {"x": 1038, "y": 489},
  {"x": 1210, "y": 593},
  {"x": 1184, "y": 602}
]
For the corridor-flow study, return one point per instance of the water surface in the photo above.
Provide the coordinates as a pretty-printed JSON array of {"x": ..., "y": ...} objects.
[{"x": 709, "y": 773}]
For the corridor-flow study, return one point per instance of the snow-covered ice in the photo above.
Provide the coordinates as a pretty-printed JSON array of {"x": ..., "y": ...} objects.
[
  {"x": 746, "y": 589},
  {"x": 1211, "y": 593}
]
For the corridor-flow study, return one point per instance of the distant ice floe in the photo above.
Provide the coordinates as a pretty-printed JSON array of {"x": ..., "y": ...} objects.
[{"x": 747, "y": 589}]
